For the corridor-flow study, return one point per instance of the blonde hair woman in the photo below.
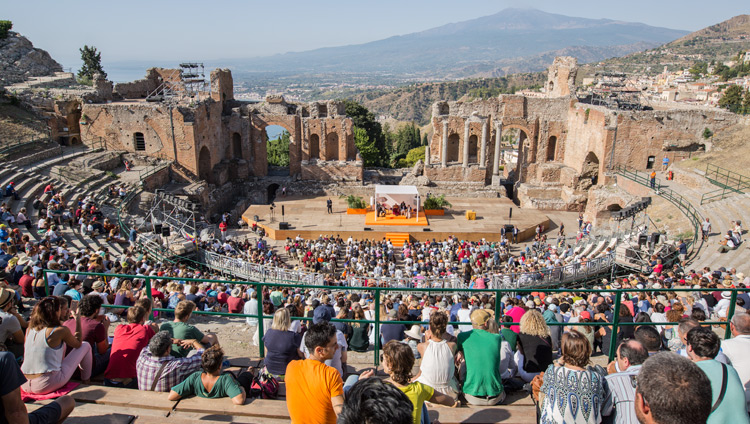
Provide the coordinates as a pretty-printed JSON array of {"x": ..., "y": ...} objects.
[
  {"x": 282, "y": 345},
  {"x": 534, "y": 352}
]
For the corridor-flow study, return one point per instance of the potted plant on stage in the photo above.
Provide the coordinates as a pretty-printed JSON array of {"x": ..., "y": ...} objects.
[
  {"x": 435, "y": 205},
  {"x": 355, "y": 205}
]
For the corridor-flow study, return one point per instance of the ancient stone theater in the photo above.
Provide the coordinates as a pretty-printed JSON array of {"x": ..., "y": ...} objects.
[{"x": 560, "y": 154}]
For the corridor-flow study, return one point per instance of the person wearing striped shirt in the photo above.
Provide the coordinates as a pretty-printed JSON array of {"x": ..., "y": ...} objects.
[{"x": 619, "y": 387}]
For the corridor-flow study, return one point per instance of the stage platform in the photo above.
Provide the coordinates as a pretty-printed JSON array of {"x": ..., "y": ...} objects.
[
  {"x": 308, "y": 218},
  {"x": 396, "y": 220}
]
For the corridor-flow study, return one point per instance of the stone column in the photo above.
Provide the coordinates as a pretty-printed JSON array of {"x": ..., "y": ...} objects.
[
  {"x": 498, "y": 138},
  {"x": 483, "y": 151},
  {"x": 444, "y": 149},
  {"x": 427, "y": 154},
  {"x": 466, "y": 144},
  {"x": 322, "y": 141}
]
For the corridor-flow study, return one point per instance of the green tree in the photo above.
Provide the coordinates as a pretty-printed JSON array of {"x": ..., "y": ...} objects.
[
  {"x": 5, "y": 27},
  {"x": 371, "y": 156},
  {"x": 746, "y": 102},
  {"x": 364, "y": 119},
  {"x": 92, "y": 64},
  {"x": 415, "y": 155},
  {"x": 425, "y": 141},
  {"x": 278, "y": 150},
  {"x": 707, "y": 133},
  {"x": 407, "y": 138},
  {"x": 698, "y": 69},
  {"x": 732, "y": 99}
]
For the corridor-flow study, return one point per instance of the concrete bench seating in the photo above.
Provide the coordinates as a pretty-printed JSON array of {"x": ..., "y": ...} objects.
[{"x": 115, "y": 405}]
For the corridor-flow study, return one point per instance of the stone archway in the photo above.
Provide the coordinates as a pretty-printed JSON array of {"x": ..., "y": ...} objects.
[
  {"x": 589, "y": 172},
  {"x": 332, "y": 147},
  {"x": 452, "y": 152},
  {"x": 236, "y": 146},
  {"x": 314, "y": 147},
  {"x": 204, "y": 164},
  {"x": 473, "y": 148},
  {"x": 551, "y": 148}
]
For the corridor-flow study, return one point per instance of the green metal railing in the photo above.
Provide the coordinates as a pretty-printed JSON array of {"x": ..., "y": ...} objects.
[
  {"x": 685, "y": 207},
  {"x": 729, "y": 182},
  {"x": 615, "y": 325}
]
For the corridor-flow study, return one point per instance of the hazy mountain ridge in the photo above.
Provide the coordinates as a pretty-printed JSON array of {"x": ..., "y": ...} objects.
[{"x": 456, "y": 49}]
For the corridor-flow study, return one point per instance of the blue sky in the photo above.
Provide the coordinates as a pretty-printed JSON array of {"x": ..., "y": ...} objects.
[{"x": 167, "y": 31}]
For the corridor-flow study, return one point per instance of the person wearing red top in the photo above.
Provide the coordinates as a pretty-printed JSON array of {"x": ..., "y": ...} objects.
[
  {"x": 26, "y": 283},
  {"x": 223, "y": 229},
  {"x": 129, "y": 340},
  {"x": 222, "y": 297},
  {"x": 235, "y": 303}
]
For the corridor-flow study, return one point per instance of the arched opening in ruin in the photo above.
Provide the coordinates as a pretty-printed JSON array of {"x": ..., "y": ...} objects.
[
  {"x": 74, "y": 140},
  {"x": 650, "y": 162},
  {"x": 236, "y": 146},
  {"x": 452, "y": 152},
  {"x": 204, "y": 164},
  {"x": 550, "y": 87},
  {"x": 473, "y": 148},
  {"x": 614, "y": 207},
  {"x": 278, "y": 140},
  {"x": 551, "y": 148},
  {"x": 332, "y": 147},
  {"x": 590, "y": 170},
  {"x": 271, "y": 193},
  {"x": 511, "y": 146},
  {"x": 314, "y": 147},
  {"x": 139, "y": 141}
]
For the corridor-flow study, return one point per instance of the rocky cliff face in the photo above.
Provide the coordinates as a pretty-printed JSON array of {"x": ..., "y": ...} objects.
[{"x": 19, "y": 59}]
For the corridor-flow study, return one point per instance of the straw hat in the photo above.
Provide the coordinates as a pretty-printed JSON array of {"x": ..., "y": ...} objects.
[{"x": 236, "y": 292}]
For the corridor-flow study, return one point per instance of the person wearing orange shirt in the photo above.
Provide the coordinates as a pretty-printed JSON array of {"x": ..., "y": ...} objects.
[{"x": 315, "y": 391}]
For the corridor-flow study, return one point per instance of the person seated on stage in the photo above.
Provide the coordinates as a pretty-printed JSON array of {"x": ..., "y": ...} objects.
[
  {"x": 382, "y": 210},
  {"x": 402, "y": 206},
  {"x": 395, "y": 209}
]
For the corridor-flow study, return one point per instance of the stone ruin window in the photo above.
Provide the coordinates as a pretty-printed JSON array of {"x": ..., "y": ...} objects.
[{"x": 140, "y": 142}]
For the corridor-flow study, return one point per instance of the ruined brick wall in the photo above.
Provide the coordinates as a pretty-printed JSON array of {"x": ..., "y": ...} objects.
[
  {"x": 333, "y": 171},
  {"x": 456, "y": 173},
  {"x": 561, "y": 77}
]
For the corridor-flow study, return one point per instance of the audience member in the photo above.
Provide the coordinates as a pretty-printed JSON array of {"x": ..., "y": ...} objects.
[
  {"x": 728, "y": 398},
  {"x": 480, "y": 350},
  {"x": 282, "y": 345},
  {"x": 129, "y": 341},
  {"x": 619, "y": 386},
  {"x": 158, "y": 371},
  {"x": 45, "y": 364},
  {"x": 671, "y": 390},
  {"x": 179, "y": 329},
  {"x": 736, "y": 350},
  {"x": 371, "y": 401},
  {"x": 210, "y": 383}
]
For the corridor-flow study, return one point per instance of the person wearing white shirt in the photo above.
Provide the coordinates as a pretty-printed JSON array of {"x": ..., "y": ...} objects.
[
  {"x": 722, "y": 306},
  {"x": 736, "y": 350},
  {"x": 464, "y": 315}
]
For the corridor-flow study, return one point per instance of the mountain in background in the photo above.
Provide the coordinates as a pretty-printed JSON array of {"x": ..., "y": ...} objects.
[
  {"x": 719, "y": 43},
  {"x": 513, "y": 40}
]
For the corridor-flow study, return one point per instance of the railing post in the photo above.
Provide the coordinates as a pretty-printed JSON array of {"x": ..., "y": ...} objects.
[
  {"x": 377, "y": 327},
  {"x": 261, "y": 347},
  {"x": 730, "y": 314},
  {"x": 615, "y": 323},
  {"x": 46, "y": 283}
]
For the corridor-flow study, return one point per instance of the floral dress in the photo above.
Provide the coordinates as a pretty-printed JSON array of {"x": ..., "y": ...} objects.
[{"x": 571, "y": 396}]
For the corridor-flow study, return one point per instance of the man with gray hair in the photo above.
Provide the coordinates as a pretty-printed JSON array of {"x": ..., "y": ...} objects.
[
  {"x": 736, "y": 350},
  {"x": 619, "y": 386},
  {"x": 158, "y": 370}
]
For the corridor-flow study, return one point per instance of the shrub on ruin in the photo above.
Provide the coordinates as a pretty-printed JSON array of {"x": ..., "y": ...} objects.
[
  {"x": 415, "y": 155},
  {"x": 354, "y": 202},
  {"x": 436, "y": 202},
  {"x": 5, "y": 27}
]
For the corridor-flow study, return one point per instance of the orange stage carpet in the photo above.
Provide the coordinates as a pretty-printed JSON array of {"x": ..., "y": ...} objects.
[{"x": 396, "y": 220}]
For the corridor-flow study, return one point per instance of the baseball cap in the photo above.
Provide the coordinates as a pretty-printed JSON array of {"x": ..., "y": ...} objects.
[{"x": 480, "y": 317}]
